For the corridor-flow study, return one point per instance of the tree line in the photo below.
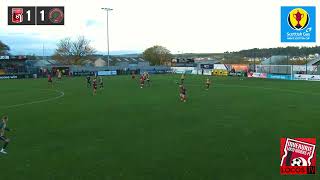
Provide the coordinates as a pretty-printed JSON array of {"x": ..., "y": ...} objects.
[
  {"x": 268, "y": 52},
  {"x": 79, "y": 51}
]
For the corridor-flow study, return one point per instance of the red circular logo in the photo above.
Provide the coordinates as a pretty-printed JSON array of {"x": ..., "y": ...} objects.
[{"x": 56, "y": 15}]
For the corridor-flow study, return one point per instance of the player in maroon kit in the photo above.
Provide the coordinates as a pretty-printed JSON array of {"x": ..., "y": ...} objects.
[
  {"x": 183, "y": 93},
  {"x": 133, "y": 75},
  {"x": 50, "y": 80},
  {"x": 95, "y": 86},
  {"x": 142, "y": 78}
]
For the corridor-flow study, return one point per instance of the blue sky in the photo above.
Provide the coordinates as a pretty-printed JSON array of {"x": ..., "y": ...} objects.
[
  {"x": 33, "y": 43},
  {"x": 22, "y": 44},
  {"x": 196, "y": 26}
]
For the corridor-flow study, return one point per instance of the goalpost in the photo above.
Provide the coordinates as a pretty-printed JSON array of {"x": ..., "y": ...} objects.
[{"x": 275, "y": 69}]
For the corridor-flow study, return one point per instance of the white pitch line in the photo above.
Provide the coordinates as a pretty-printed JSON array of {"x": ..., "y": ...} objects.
[
  {"x": 36, "y": 102},
  {"x": 272, "y": 89},
  {"x": 262, "y": 88}
]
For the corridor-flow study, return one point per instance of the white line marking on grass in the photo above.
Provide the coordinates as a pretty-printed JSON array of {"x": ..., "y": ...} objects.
[
  {"x": 252, "y": 87},
  {"x": 36, "y": 102},
  {"x": 272, "y": 89}
]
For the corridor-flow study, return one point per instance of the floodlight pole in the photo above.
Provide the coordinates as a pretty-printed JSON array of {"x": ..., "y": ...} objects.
[
  {"x": 108, "y": 9},
  {"x": 43, "y": 51},
  {"x": 254, "y": 60}
]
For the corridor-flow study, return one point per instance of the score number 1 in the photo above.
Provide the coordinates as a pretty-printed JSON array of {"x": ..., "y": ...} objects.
[
  {"x": 42, "y": 15},
  {"x": 47, "y": 15},
  {"x": 29, "y": 15}
]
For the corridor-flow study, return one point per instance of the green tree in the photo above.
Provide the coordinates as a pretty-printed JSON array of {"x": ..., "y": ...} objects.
[
  {"x": 74, "y": 52},
  {"x": 157, "y": 55},
  {"x": 4, "y": 49},
  {"x": 32, "y": 57}
]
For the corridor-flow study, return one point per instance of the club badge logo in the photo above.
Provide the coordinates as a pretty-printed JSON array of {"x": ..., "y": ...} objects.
[
  {"x": 56, "y": 15},
  {"x": 17, "y": 15},
  {"x": 298, "y": 156},
  {"x": 298, "y": 24}
]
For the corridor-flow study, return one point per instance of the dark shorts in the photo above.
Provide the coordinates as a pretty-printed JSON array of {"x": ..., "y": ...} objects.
[
  {"x": 3, "y": 138},
  {"x": 50, "y": 81}
]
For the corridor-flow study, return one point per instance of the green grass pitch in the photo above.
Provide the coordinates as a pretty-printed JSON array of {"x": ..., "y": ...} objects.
[{"x": 232, "y": 131}]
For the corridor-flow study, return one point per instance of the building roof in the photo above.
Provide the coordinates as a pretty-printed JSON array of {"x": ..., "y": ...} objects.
[
  {"x": 275, "y": 60},
  {"x": 41, "y": 63},
  {"x": 130, "y": 60}
]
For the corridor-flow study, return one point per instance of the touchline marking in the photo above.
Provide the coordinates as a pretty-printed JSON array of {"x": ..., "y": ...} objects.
[
  {"x": 36, "y": 102},
  {"x": 272, "y": 89},
  {"x": 263, "y": 88}
]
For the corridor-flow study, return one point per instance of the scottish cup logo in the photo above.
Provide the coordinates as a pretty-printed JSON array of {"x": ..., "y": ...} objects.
[
  {"x": 298, "y": 24},
  {"x": 298, "y": 156},
  {"x": 298, "y": 19}
]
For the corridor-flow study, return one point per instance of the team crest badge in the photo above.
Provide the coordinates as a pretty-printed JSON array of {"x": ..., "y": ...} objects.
[
  {"x": 17, "y": 15},
  {"x": 298, "y": 156}
]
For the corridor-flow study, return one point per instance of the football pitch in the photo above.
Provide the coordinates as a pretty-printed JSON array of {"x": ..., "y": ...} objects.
[{"x": 232, "y": 131}]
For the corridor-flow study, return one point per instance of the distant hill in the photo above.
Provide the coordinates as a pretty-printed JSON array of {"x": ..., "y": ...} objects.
[
  {"x": 198, "y": 55},
  {"x": 268, "y": 52},
  {"x": 129, "y": 55}
]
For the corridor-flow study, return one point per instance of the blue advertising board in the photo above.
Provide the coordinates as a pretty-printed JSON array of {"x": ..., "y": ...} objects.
[
  {"x": 279, "y": 76},
  {"x": 107, "y": 73}
]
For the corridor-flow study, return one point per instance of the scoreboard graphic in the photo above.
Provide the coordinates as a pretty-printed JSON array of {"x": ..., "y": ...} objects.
[
  {"x": 21, "y": 15},
  {"x": 41, "y": 15}
]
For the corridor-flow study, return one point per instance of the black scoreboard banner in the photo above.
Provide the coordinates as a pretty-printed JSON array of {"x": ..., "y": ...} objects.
[
  {"x": 206, "y": 66},
  {"x": 41, "y": 15}
]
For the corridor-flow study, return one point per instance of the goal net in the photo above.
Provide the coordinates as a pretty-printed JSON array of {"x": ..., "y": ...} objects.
[{"x": 275, "y": 69}]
